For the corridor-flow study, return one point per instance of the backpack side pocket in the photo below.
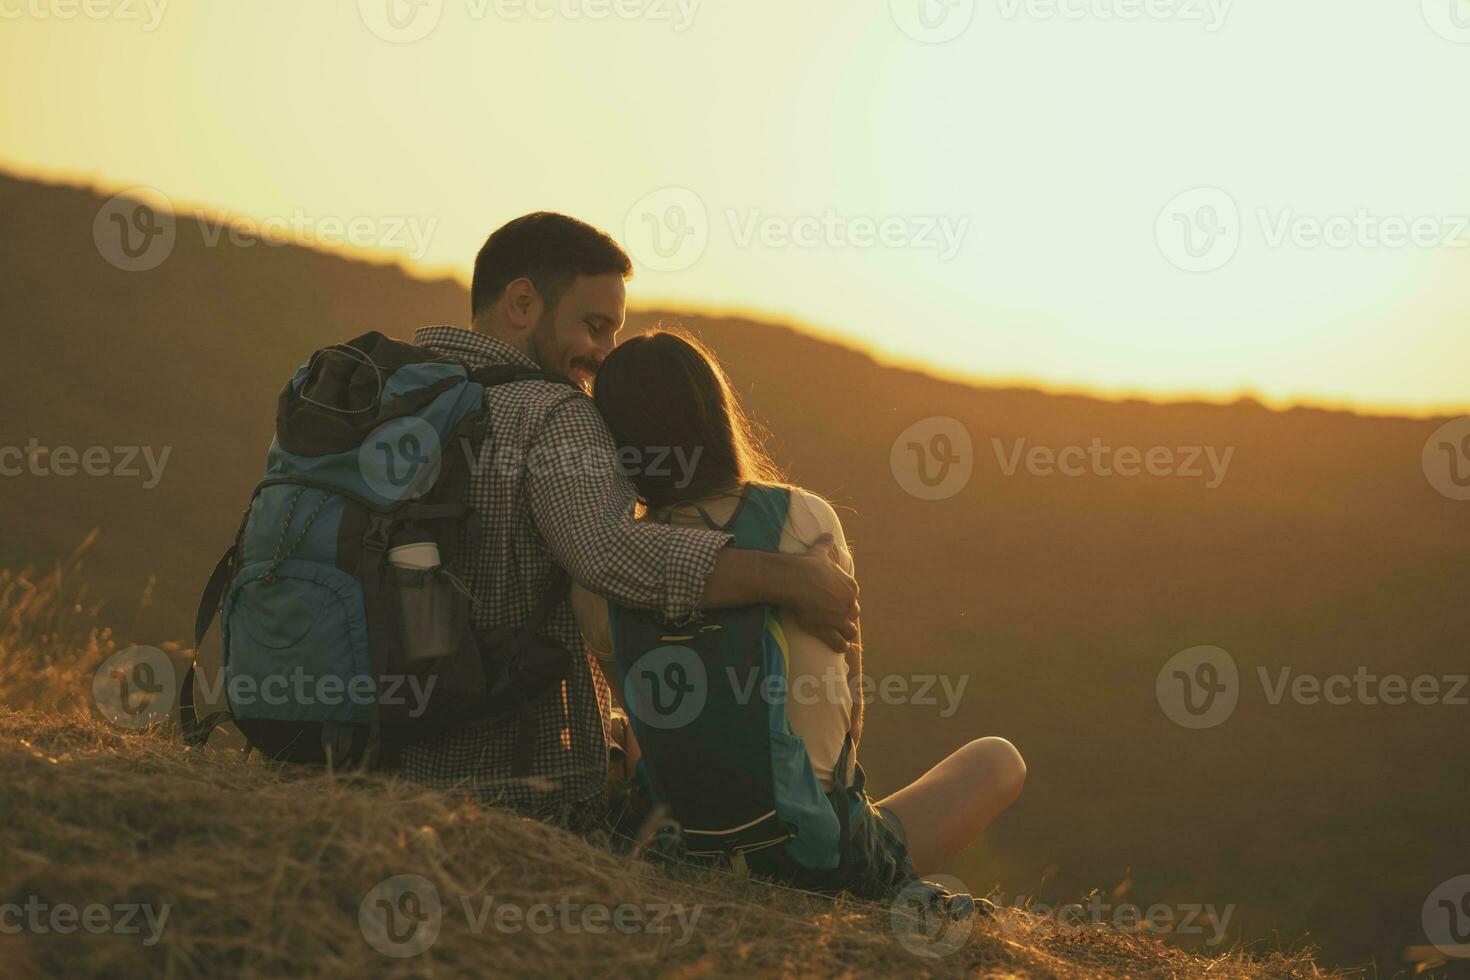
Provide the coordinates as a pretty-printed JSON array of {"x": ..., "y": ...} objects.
[{"x": 436, "y": 676}]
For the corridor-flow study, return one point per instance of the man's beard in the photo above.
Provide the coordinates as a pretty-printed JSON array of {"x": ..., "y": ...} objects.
[{"x": 547, "y": 354}]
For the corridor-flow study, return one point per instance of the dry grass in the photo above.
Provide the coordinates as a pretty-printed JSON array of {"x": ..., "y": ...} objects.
[
  {"x": 52, "y": 637},
  {"x": 264, "y": 869}
]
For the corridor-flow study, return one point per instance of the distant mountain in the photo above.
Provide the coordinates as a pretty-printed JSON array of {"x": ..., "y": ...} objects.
[{"x": 1055, "y": 599}]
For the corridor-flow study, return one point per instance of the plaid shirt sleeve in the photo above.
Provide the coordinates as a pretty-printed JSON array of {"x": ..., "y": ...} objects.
[{"x": 583, "y": 507}]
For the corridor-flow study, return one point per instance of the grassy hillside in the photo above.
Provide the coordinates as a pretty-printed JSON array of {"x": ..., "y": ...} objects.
[
  {"x": 1055, "y": 600},
  {"x": 200, "y": 864},
  {"x": 266, "y": 873}
]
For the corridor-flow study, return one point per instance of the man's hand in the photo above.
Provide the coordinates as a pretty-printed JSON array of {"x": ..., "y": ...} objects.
[
  {"x": 825, "y": 599},
  {"x": 813, "y": 586}
]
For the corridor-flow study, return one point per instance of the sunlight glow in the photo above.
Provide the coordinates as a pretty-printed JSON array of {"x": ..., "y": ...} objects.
[{"x": 1171, "y": 198}]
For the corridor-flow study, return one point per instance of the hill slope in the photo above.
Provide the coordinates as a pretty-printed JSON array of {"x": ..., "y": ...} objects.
[
  {"x": 122, "y": 854},
  {"x": 288, "y": 885}
]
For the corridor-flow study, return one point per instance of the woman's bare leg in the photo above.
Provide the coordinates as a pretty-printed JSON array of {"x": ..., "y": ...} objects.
[{"x": 946, "y": 808}]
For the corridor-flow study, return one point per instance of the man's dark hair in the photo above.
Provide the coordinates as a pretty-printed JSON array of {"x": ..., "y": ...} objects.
[{"x": 547, "y": 248}]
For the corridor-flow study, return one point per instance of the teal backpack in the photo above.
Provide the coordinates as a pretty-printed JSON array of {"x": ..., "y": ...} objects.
[
  {"x": 345, "y": 623},
  {"x": 708, "y": 707}
]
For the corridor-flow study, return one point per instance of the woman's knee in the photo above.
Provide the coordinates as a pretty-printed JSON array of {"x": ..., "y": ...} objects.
[{"x": 1001, "y": 764}]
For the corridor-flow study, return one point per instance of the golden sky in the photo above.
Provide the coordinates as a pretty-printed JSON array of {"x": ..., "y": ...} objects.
[{"x": 1168, "y": 197}]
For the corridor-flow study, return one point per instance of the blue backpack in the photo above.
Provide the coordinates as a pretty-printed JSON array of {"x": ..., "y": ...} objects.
[
  {"x": 345, "y": 623},
  {"x": 708, "y": 706}
]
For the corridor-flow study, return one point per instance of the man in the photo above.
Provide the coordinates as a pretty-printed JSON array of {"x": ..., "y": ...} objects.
[{"x": 549, "y": 293}]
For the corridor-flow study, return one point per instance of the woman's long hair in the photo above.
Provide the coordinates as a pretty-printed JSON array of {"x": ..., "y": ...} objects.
[{"x": 678, "y": 425}]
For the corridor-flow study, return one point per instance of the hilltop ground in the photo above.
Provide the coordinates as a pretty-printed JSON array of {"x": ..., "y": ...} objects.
[
  {"x": 246, "y": 868},
  {"x": 265, "y": 873}
]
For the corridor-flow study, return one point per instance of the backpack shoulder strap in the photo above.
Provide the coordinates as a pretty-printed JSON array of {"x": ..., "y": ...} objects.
[
  {"x": 214, "y": 594},
  {"x": 195, "y": 730},
  {"x": 761, "y": 517}
]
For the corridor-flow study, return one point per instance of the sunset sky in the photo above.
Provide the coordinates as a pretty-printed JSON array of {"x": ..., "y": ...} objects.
[{"x": 1166, "y": 197}]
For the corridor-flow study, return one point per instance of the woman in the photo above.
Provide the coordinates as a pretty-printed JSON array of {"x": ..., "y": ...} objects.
[{"x": 671, "y": 410}]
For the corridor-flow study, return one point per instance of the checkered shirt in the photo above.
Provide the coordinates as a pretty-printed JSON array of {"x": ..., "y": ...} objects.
[{"x": 552, "y": 493}]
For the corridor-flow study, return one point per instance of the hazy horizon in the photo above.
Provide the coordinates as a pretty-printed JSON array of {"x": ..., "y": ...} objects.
[
  {"x": 884, "y": 355},
  {"x": 1238, "y": 201}
]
